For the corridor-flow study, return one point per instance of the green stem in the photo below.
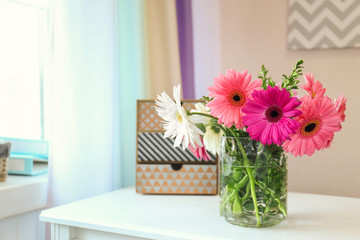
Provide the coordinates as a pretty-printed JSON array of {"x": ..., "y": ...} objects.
[
  {"x": 202, "y": 114},
  {"x": 266, "y": 189},
  {"x": 228, "y": 198},
  {"x": 281, "y": 206},
  {"x": 224, "y": 201},
  {"x": 261, "y": 147},
  {"x": 247, "y": 194},
  {"x": 237, "y": 206},
  {"x": 251, "y": 178},
  {"x": 242, "y": 183}
]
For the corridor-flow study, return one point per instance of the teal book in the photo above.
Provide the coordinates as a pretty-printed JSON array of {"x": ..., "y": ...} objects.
[
  {"x": 19, "y": 164},
  {"x": 32, "y": 147}
]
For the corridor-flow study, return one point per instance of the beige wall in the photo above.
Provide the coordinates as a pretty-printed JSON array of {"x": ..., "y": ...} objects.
[{"x": 254, "y": 32}]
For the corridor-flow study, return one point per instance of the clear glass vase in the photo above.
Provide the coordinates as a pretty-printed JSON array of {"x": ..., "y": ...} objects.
[{"x": 253, "y": 179}]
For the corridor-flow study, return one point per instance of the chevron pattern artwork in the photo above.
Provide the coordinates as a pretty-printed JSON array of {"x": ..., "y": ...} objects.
[
  {"x": 153, "y": 147},
  {"x": 321, "y": 24},
  {"x": 162, "y": 179}
]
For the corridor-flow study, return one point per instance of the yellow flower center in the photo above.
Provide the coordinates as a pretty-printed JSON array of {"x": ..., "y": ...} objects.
[
  {"x": 179, "y": 117},
  {"x": 310, "y": 128}
]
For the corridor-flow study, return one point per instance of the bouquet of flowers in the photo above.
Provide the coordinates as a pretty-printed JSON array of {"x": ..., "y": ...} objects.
[{"x": 251, "y": 124}]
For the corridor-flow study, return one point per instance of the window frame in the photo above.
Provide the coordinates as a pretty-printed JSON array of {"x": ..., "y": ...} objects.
[
  {"x": 43, "y": 57},
  {"x": 37, "y": 147}
]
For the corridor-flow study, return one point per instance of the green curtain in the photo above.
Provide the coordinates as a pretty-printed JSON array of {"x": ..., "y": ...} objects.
[{"x": 129, "y": 86}]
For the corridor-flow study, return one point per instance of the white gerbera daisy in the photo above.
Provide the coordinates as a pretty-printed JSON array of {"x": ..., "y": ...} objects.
[
  {"x": 212, "y": 139},
  {"x": 177, "y": 123}
]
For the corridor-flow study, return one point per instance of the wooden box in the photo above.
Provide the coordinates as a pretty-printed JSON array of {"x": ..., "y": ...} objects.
[
  {"x": 4, "y": 154},
  {"x": 163, "y": 169}
]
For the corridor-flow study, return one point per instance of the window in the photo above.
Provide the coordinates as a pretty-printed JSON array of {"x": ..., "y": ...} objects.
[{"x": 23, "y": 44}]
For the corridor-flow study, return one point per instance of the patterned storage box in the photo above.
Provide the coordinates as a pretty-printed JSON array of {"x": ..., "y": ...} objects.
[
  {"x": 4, "y": 154},
  {"x": 163, "y": 169}
]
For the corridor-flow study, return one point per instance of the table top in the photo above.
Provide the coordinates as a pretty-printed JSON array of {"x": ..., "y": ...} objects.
[
  {"x": 197, "y": 217},
  {"x": 21, "y": 194}
]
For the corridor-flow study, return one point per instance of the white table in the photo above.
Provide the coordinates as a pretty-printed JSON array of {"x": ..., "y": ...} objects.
[
  {"x": 22, "y": 194},
  {"x": 123, "y": 214}
]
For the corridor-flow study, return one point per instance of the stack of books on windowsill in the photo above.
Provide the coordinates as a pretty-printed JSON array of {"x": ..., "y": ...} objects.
[
  {"x": 28, "y": 157},
  {"x": 21, "y": 164}
]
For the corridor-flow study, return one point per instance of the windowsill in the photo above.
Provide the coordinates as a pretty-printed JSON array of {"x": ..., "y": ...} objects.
[{"x": 22, "y": 194}]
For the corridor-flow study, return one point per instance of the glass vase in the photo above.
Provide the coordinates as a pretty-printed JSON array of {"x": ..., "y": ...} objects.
[{"x": 253, "y": 182}]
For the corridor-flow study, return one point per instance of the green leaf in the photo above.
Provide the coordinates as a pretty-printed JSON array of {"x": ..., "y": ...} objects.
[
  {"x": 206, "y": 99},
  {"x": 201, "y": 127},
  {"x": 290, "y": 82},
  {"x": 267, "y": 81},
  {"x": 215, "y": 129}
]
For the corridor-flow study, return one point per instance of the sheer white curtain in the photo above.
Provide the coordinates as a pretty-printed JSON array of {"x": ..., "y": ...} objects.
[{"x": 81, "y": 100}]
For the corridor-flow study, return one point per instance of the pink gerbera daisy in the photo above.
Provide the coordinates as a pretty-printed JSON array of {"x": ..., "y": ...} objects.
[
  {"x": 269, "y": 115},
  {"x": 314, "y": 88},
  {"x": 200, "y": 151},
  {"x": 231, "y": 93},
  {"x": 340, "y": 105},
  {"x": 319, "y": 121}
]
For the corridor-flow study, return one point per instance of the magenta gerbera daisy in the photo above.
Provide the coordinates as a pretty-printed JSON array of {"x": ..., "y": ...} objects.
[
  {"x": 231, "y": 93},
  {"x": 269, "y": 116},
  {"x": 319, "y": 120}
]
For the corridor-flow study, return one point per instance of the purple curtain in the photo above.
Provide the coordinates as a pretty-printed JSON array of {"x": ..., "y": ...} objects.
[{"x": 185, "y": 35}]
